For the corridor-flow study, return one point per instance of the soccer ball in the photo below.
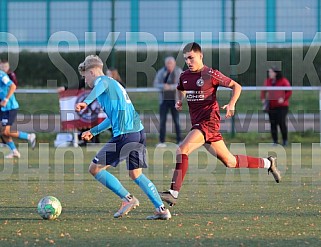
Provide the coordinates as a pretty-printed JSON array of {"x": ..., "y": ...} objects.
[{"x": 49, "y": 208}]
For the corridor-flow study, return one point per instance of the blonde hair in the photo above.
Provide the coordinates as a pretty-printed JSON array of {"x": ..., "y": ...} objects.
[{"x": 90, "y": 62}]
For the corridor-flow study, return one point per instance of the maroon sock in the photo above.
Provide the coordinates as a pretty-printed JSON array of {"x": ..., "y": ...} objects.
[
  {"x": 180, "y": 171},
  {"x": 244, "y": 161}
]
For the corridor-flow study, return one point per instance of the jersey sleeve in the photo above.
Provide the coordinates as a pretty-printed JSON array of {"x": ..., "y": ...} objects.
[
  {"x": 6, "y": 80},
  {"x": 100, "y": 87},
  {"x": 101, "y": 127},
  {"x": 219, "y": 79},
  {"x": 180, "y": 84}
]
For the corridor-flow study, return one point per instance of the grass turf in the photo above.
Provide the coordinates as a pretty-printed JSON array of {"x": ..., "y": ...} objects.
[{"x": 217, "y": 206}]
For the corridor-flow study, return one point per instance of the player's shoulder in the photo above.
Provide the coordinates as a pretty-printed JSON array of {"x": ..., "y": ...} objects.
[
  {"x": 210, "y": 71},
  {"x": 4, "y": 77},
  {"x": 215, "y": 73},
  {"x": 185, "y": 72}
]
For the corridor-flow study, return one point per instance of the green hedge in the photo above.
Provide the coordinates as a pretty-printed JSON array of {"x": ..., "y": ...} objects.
[{"x": 35, "y": 69}]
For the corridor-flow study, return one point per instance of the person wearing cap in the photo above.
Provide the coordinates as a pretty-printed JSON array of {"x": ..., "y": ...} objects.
[
  {"x": 128, "y": 141},
  {"x": 278, "y": 104}
]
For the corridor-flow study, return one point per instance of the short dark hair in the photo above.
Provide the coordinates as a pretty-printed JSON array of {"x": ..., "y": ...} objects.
[
  {"x": 3, "y": 60},
  {"x": 278, "y": 72},
  {"x": 193, "y": 46}
]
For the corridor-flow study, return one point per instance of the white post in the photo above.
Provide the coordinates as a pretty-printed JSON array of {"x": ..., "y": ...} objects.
[{"x": 75, "y": 139}]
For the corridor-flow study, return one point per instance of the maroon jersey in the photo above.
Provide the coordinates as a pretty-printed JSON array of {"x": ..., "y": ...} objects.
[
  {"x": 13, "y": 77},
  {"x": 200, "y": 88}
]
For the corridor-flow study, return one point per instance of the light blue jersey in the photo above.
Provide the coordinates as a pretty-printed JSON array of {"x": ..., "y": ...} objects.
[
  {"x": 113, "y": 99},
  {"x": 5, "y": 83}
]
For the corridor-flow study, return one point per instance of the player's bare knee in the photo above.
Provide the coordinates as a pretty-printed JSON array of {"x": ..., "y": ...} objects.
[
  {"x": 182, "y": 150},
  {"x": 6, "y": 132},
  {"x": 133, "y": 174},
  {"x": 93, "y": 169}
]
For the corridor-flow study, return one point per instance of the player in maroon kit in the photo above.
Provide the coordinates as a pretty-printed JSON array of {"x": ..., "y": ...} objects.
[{"x": 198, "y": 85}]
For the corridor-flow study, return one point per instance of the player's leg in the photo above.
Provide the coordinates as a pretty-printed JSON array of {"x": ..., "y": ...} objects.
[
  {"x": 5, "y": 133},
  {"x": 192, "y": 141},
  {"x": 108, "y": 156},
  {"x": 14, "y": 153},
  {"x": 148, "y": 187},
  {"x": 220, "y": 150},
  {"x": 135, "y": 163},
  {"x": 9, "y": 118}
]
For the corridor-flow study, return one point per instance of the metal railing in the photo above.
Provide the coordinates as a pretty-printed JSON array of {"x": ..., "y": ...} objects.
[{"x": 150, "y": 90}]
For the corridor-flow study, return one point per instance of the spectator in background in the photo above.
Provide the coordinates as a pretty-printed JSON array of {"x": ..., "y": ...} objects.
[
  {"x": 166, "y": 80},
  {"x": 113, "y": 73},
  {"x": 5, "y": 66},
  {"x": 278, "y": 104}
]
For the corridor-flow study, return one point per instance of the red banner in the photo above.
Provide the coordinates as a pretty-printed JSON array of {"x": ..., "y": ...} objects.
[{"x": 70, "y": 119}]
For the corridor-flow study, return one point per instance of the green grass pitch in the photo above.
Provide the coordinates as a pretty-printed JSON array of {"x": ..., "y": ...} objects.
[{"x": 217, "y": 206}]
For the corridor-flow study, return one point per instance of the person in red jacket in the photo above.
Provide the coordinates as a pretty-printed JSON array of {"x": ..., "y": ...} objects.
[{"x": 278, "y": 101}]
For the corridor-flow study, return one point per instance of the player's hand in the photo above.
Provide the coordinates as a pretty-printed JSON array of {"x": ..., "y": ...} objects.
[
  {"x": 3, "y": 103},
  {"x": 87, "y": 135},
  {"x": 230, "y": 110},
  {"x": 80, "y": 106},
  {"x": 179, "y": 105}
]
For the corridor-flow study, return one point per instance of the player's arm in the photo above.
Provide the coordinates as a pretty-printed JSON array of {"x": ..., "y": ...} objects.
[
  {"x": 236, "y": 89},
  {"x": 97, "y": 90},
  {"x": 11, "y": 90},
  {"x": 236, "y": 92},
  {"x": 104, "y": 125},
  {"x": 179, "y": 102}
]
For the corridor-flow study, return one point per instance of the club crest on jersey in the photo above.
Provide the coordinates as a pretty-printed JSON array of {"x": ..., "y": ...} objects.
[{"x": 200, "y": 82}]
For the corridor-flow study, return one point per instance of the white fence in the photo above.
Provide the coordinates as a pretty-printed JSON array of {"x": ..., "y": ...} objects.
[{"x": 147, "y": 90}]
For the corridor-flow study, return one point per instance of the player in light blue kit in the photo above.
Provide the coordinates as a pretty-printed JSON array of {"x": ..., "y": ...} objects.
[
  {"x": 8, "y": 115},
  {"x": 128, "y": 141}
]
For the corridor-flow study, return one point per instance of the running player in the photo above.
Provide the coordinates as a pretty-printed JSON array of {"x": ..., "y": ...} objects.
[
  {"x": 198, "y": 84},
  {"x": 128, "y": 141},
  {"x": 8, "y": 115}
]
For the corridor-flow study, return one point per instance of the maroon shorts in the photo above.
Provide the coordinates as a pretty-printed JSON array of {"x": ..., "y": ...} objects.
[{"x": 210, "y": 130}]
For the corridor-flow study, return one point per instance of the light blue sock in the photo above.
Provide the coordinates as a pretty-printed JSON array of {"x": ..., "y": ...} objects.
[
  {"x": 23, "y": 135},
  {"x": 11, "y": 145},
  {"x": 149, "y": 189},
  {"x": 112, "y": 183}
]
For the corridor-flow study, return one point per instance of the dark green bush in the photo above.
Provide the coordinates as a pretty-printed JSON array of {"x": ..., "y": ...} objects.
[{"x": 36, "y": 69}]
